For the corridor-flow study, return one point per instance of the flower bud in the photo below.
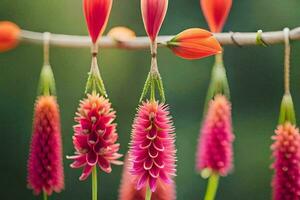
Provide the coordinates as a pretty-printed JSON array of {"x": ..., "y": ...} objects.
[
  {"x": 9, "y": 35},
  {"x": 153, "y": 12},
  {"x": 216, "y": 13},
  {"x": 96, "y": 14},
  {"x": 194, "y": 43}
]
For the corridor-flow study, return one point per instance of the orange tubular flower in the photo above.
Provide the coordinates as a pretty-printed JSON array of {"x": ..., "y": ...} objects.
[
  {"x": 194, "y": 43},
  {"x": 9, "y": 35},
  {"x": 216, "y": 13}
]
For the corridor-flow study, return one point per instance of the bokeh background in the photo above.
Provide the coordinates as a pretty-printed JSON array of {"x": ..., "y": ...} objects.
[{"x": 255, "y": 77}]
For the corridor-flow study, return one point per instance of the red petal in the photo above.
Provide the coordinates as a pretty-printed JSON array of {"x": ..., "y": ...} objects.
[
  {"x": 216, "y": 13},
  {"x": 153, "y": 12},
  {"x": 96, "y": 15},
  {"x": 86, "y": 172}
]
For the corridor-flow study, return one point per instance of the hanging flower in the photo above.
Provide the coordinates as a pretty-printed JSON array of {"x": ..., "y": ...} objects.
[
  {"x": 286, "y": 152},
  {"x": 194, "y": 43},
  {"x": 153, "y": 12},
  {"x": 9, "y": 35},
  {"x": 128, "y": 189},
  {"x": 96, "y": 14},
  {"x": 45, "y": 166},
  {"x": 216, "y": 13},
  {"x": 152, "y": 151},
  {"x": 95, "y": 136},
  {"x": 215, "y": 142}
]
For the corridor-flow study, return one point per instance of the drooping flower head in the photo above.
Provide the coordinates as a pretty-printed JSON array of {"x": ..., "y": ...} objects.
[
  {"x": 128, "y": 189},
  {"x": 152, "y": 150},
  {"x": 95, "y": 136},
  {"x": 9, "y": 35},
  {"x": 216, "y": 13},
  {"x": 45, "y": 166},
  {"x": 286, "y": 153},
  {"x": 216, "y": 137},
  {"x": 194, "y": 43},
  {"x": 153, "y": 12},
  {"x": 96, "y": 14}
]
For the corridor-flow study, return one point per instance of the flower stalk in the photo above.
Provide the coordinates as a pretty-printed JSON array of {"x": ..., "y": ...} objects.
[
  {"x": 94, "y": 183},
  {"x": 212, "y": 187},
  {"x": 45, "y": 196},
  {"x": 219, "y": 83},
  {"x": 148, "y": 194},
  {"x": 95, "y": 82},
  {"x": 153, "y": 79}
]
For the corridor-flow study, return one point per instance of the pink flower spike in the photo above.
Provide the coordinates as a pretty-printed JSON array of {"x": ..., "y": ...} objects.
[
  {"x": 96, "y": 14},
  {"x": 152, "y": 152},
  {"x": 45, "y": 166},
  {"x": 128, "y": 190},
  {"x": 286, "y": 153},
  {"x": 95, "y": 136},
  {"x": 215, "y": 142},
  {"x": 153, "y": 12}
]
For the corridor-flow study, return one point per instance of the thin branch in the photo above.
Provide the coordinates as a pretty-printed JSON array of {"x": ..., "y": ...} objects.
[{"x": 231, "y": 38}]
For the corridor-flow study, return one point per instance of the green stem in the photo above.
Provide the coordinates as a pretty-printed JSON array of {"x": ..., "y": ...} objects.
[
  {"x": 152, "y": 93},
  {"x": 212, "y": 187},
  {"x": 219, "y": 59},
  {"x": 45, "y": 196},
  {"x": 94, "y": 183},
  {"x": 148, "y": 194}
]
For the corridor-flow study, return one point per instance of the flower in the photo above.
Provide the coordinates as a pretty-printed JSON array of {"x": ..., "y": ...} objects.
[
  {"x": 286, "y": 152},
  {"x": 96, "y": 14},
  {"x": 194, "y": 43},
  {"x": 152, "y": 151},
  {"x": 121, "y": 34},
  {"x": 153, "y": 12},
  {"x": 9, "y": 35},
  {"x": 95, "y": 136},
  {"x": 45, "y": 166},
  {"x": 216, "y": 13},
  {"x": 128, "y": 190},
  {"x": 215, "y": 142}
]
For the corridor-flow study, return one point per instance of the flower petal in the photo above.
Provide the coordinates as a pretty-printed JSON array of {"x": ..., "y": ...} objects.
[{"x": 86, "y": 172}]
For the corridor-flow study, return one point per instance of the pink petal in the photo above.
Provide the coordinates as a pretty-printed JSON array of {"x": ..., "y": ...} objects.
[
  {"x": 148, "y": 163},
  {"x": 80, "y": 161},
  {"x": 154, "y": 172},
  {"x": 142, "y": 181},
  {"x": 91, "y": 158},
  {"x": 152, "y": 184},
  {"x": 104, "y": 164},
  {"x": 86, "y": 172}
]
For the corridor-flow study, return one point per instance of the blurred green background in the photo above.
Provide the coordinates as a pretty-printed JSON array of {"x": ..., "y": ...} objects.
[{"x": 255, "y": 77}]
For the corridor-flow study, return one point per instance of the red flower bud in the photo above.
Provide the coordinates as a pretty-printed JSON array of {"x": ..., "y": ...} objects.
[
  {"x": 96, "y": 14},
  {"x": 153, "y": 12},
  {"x": 216, "y": 13},
  {"x": 194, "y": 43},
  {"x": 9, "y": 35}
]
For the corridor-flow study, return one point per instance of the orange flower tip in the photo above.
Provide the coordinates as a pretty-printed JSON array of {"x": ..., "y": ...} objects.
[
  {"x": 9, "y": 35},
  {"x": 96, "y": 14},
  {"x": 121, "y": 34},
  {"x": 216, "y": 13},
  {"x": 153, "y": 13},
  {"x": 194, "y": 43}
]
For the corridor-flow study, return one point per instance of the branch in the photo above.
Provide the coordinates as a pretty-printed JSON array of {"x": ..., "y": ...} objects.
[{"x": 231, "y": 38}]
